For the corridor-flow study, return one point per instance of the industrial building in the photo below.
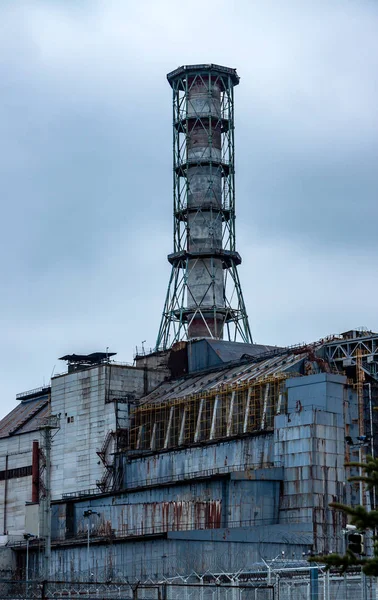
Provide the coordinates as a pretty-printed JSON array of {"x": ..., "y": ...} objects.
[{"x": 210, "y": 453}]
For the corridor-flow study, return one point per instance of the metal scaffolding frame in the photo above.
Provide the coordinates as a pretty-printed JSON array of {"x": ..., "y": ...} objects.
[
  {"x": 228, "y": 411},
  {"x": 344, "y": 351},
  {"x": 209, "y": 167}
]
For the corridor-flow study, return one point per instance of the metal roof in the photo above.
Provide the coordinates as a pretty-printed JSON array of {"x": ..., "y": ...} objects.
[
  {"x": 229, "y": 351},
  {"x": 94, "y": 358},
  {"x": 231, "y": 374},
  {"x": 25, "y": 417}
]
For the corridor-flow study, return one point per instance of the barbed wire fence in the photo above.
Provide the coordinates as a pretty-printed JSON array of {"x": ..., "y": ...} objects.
[{"x": 274, "y": 580}]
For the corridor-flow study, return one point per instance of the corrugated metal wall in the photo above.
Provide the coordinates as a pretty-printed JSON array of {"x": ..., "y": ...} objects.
[{"x": 247, "y": 451}]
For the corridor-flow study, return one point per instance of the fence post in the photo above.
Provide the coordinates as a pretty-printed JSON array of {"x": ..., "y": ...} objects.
[
  {"x": 164, "y": 590},
  {"x": 314, "y": 583},
  {"x": 363, "y": 585}
]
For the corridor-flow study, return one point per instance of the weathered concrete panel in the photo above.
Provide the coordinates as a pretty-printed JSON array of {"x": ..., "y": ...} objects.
[
  {"x": 182, "y": 553},
  {"x": 87, "y": 404},
  {"x": 250, "y": 451},
  {"x": 195, "y": 505}
]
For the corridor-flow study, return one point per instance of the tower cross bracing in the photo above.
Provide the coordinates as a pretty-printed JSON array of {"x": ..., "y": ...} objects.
[{"x": 204, "y": 297}]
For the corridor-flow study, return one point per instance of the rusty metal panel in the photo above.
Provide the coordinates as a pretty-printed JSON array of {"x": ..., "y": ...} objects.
[{"x": 200, "y": 505}]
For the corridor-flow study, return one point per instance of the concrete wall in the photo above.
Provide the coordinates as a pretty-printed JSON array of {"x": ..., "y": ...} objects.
[
  {"x": 7, "y": 562},
  {"x": 227, "y": 502},
  {"x": 243, "y": 452},
  {"x": 79, "y": 401},
  {"x": 132, "y": 382},
  {"x": 310, "y": 440},
  {"x": 18, "y": 490},
  {"x": 217, "y": 550},
  {"x": 86, "y": 402}
]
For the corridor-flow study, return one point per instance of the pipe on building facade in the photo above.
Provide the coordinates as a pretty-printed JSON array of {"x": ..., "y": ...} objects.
[
  {"x": 5, "y": 495},
  {"x": 35, "y": 471}
]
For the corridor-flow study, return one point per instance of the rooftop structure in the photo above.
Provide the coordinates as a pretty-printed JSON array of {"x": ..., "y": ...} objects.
[{"x": 76, "y": 362}]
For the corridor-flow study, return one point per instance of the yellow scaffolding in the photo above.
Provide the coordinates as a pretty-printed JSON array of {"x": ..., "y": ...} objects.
[{"x": 227, "y": 411}]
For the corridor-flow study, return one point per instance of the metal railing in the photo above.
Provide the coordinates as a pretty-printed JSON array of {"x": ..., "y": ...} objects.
[
  {"x": 144, "y": 351},
  {"x": 45, "y": 389},
  {"x": 79, "y": 493}
]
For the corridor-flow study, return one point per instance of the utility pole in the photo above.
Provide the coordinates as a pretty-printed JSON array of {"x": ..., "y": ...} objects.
[
  {"x": 48, "y": 500},
  {"x": 46, "y": 428},
  {"x": 361, "y": 421},
  {"x": 371, "y": 436},
  {"x": 27, "y": 537}
]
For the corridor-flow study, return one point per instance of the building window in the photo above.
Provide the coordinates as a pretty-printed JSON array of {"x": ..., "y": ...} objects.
[{"x": 70, "y": 419}]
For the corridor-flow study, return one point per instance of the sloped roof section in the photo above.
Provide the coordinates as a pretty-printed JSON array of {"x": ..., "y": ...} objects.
[
  {"x": 231, "y": 374},
  {"x": 25, "y": 417},
  {"x": 229, "y": 351},
  {"x": 208, "y": 353}
]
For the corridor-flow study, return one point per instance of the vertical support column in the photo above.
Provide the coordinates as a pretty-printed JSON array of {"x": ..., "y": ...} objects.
[
  {"x": 247, "y": 407},
  {"x": 266, "y": 396},
  {"x": 214, "y": 418},
  {"x": 169, "y": 427},
  {"x": 153, "y": 437},
  {"x": 230, "y": 414},
  {"x": 279, "y": 403},
  {"x": 140, "y": 437},
  {"x": 182, "y": 428},
  {"x": 197, "y": 433}
]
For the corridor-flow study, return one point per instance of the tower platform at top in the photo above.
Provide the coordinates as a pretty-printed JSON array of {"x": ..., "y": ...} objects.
[{"x": 206, "y": 69}]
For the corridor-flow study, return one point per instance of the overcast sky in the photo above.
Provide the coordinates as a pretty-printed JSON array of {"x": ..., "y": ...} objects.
[{"x": 86, "y": 169}]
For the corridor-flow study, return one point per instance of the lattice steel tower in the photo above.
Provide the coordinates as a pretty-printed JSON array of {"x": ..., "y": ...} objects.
[{"x": 204, "y": 297}]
